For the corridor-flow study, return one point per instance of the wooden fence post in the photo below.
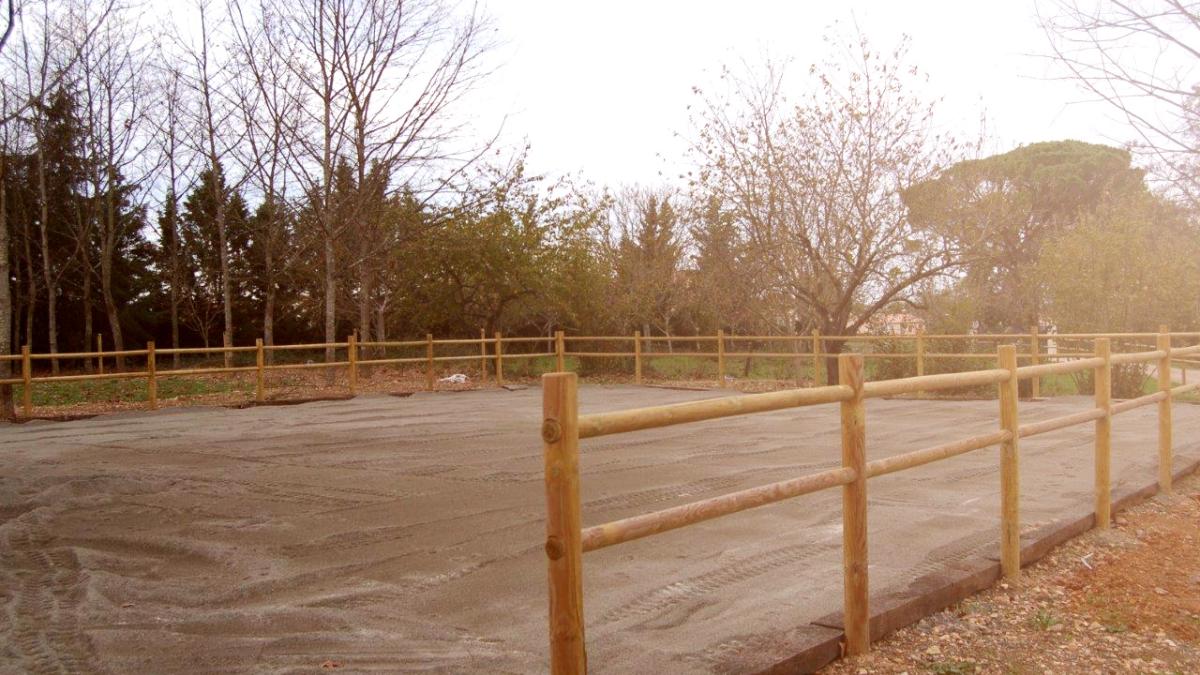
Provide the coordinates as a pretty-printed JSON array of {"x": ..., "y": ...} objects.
[
  {"x": 1103, "y": 389},
  {"x": 151, "y": 376},
  {"x": 560, "y": 351},
  {"x": 27, "y": 381},
  {"x": 564, "y": 546},
  {"x": 259, "y": 374},
  {"x": 816, "y": 358},
  {"x": 637, "y": 357},
  {"x": 352, "y": 358},
  {"x": 483, "y": 357},
  {"x": 429, "y": 362},
  {"x": 499, "y": 360},
  {"x": 1164, "y": 411},
  {"x": 797, "y": 363},
  {"x": 720, "y": 358},
  {"x": 100, "y": 353},
  {"x": 226, "y": 343},
  {"x": 1035, "y": 382},
  {"x": 857, "y": 616},
  {"x": 1010, "y": 474},
  {"x": 921, "y": 357}
]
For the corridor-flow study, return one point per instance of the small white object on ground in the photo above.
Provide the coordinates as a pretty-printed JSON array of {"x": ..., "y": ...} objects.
[{"x": 457, "y": 378}]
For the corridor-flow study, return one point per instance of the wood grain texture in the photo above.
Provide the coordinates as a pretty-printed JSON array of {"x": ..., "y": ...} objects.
[
  {"x": 1010, "y": 468},
  {"x": 854, "y": 507},
  {"x": 1103, "y": 462},
  {"x": 564, "y": 552}
]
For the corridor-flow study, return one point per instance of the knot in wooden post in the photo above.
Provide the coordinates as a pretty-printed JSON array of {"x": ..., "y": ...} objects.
[
  {"x": 554, "y": 548},
  {"x": 551, "y": 431}
]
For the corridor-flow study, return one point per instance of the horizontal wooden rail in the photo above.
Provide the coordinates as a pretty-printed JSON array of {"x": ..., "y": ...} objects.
[
  {"x": 1135, "y": 403},
  {"x": 1058, "y": 368},
  {"x": 407, "y": 359},
  {"x": 1093, "y": 336},
  {"x": 1046, "y": 426},
  {"x": 302, "y": 366},
  {"x": 415, "y": 343},
  {"x": 471, "y": 357},
  {"x": 768, "y": 338},
  {"x": 636, "y": 527},
  {"x": 535, "y": 355},
  {"x": 203, "y": 371},
  {"x": 314, "y": 345},
  {"x": 1137, "y": 357},
  {"x": 83, "y": 355},
  {"x": 916, "y": 458},
  {"x": 516, "y": 340},
  {"x": 94, "y": 376},
  {"x": 960, "y": 355},
  {"x": 600, "y": 354},
  {"x": 195, "y": 350},
  {"x": 774, "y": 355},
  {"x": 912, "y": 385},
  {"x": 1184, "y": 388},
  {"x": 599, "y": 338},
  {"x": 621, "y": 421},
  {"x": 464, "y": 341},
  {"x": 683, "y": 338}
]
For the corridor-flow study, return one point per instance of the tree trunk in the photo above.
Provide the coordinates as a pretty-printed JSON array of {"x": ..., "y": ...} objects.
[
  {"x": 7, "y": 410},
  {"x": 381, "y": 323},
  {"x": 30, "y": 288},
  {"x": 269, "y": 320},
  {"x": 17, "y": 305},
  {"x": 47, "y": 272},
  {"x": 88, "y": 326},
  {"x": 226, "y": 284},
  {"x": 107, "y": 253},
  {"x": 174, "y": 272},
  {"x": 110, "y": 310},
  {"x": 833, "y": 348},
  {"x": 330, "y": 300},
  {"x": 366, "y": 283}
]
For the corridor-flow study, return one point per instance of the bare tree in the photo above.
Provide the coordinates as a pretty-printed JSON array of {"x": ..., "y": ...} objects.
[
  {"x": 113, "y": 75},
  {"x": 816, "y": 187},
  {"x": 6, "y": 303},
  {"x": 215, "y": 119},
  {"x": 270, "y": 107},
  {"x": 170, "y": 135},
  {"x": 38, "y": 52},
  {"x": 96, "y": 15},
  {"x": 1140, "y": 57},
  {"x": 381, "y": 81}
]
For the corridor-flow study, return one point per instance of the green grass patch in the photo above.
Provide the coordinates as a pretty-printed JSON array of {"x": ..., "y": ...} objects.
[
  {"x": 1043, "y": 620},
  {"x": 125, "y": 391}
]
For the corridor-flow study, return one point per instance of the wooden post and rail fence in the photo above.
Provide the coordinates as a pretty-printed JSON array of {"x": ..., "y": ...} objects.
[
  {"x": 563, "y": 352},
  {"x": 563, "y": 428}
]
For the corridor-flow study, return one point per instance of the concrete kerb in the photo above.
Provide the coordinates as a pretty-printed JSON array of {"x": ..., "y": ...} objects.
[{"x": 811, "y": 647}]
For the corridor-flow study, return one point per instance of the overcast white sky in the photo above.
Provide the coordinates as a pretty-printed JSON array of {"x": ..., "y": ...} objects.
[{"x": 602, "y": 88}]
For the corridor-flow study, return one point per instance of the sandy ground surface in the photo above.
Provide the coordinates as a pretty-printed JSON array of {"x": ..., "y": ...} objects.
[{"x": 405, "y": 534}]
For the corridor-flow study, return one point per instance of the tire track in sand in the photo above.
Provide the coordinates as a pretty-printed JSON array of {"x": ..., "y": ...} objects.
[
  {"x": 47, "y": 585},
  {"x": 664, "y": 598}
]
